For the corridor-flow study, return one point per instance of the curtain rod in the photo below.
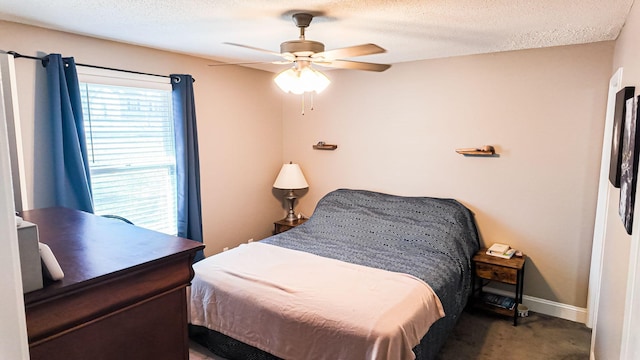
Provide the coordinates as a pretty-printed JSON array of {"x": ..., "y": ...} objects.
[{"x": 17, "y": 55}]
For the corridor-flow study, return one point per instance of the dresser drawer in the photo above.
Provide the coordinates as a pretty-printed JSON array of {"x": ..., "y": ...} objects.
[{"x": 496, "y": 272}]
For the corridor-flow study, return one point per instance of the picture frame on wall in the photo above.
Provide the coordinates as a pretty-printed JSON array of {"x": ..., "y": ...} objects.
[
  {"x": 629, "y": 164},
  {"x": 618, "y": 126}
]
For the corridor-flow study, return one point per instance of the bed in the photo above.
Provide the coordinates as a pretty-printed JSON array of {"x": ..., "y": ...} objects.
[{"x": 399, "y": 248}]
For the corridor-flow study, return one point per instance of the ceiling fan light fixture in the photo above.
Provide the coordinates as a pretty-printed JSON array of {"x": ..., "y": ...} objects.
[{"x": 299, "y": 81}]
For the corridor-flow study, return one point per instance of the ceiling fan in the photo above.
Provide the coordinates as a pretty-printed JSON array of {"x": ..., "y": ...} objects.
[{"x": 303, "y": 52}]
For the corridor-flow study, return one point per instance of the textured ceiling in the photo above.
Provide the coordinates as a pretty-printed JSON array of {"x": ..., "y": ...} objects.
[{"x": 409, "y": 30}]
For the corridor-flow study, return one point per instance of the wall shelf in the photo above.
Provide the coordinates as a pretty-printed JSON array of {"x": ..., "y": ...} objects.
[
  {"x": 322, "y": 146},
  {"x": 486, "y": 150}
]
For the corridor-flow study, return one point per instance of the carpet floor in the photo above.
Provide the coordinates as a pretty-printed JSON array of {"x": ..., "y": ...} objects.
[{"x": 481, "y": 336}]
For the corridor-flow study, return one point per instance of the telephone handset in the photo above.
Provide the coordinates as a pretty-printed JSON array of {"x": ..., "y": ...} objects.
[{"x": 51, "y": 267}]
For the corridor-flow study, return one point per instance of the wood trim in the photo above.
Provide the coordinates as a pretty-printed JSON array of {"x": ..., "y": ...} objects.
[
  {"x": 547, "y": 307},
  {"x": 12, "y": 327},
  {"x": 600, "y": 224}
]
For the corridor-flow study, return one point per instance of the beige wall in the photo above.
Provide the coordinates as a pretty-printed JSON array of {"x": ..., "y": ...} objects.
[
  {"x": 543, "y": 110},
  {"x": 617, "y": 243},
  {"x": 239, "y": 125},
  {"x": 397, "y": 132}
]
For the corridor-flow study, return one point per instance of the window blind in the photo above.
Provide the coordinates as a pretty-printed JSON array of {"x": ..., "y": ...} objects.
[{"x": 130, "y": 145}]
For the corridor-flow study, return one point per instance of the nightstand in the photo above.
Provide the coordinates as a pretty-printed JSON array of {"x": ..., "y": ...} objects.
[
  {"x": 507, "y": 271},
  {"x": 284, "y": 225}
]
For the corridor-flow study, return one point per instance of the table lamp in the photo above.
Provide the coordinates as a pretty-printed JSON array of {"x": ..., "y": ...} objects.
[{"x": 290, "y": 178}]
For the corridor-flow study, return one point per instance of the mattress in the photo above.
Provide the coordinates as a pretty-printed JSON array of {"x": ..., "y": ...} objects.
[{"x": 324, "y": 309}]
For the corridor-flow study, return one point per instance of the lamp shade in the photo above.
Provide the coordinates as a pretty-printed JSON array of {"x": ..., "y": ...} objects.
[
  {"x": 298, "y": 81},
  {"x": 290, "y": 177}
]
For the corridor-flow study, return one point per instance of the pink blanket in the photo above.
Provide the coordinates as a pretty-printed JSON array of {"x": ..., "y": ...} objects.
[{"x": 297, "y": 305}]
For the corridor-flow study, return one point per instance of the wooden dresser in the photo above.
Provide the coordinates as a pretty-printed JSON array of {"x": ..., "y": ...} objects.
[{"x": 123, "y": 295}]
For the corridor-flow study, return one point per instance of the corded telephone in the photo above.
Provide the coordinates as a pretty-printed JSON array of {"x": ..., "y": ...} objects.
[{"x": 501, "y": 250}]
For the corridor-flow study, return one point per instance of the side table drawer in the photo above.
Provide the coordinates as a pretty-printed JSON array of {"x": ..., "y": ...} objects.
[
  {"x": 282, "y": 228},
  {"x": 499, "y": 273},
  {"x": 284, "y": 225}
]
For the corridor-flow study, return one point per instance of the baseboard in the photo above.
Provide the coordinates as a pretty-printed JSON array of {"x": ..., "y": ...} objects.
[{"x": 547, "y": 307}]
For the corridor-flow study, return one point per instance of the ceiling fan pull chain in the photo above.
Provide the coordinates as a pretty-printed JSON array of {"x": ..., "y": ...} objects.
[
  {"x": 302, "y": 112},
  {"x": 312, "y": 97}
]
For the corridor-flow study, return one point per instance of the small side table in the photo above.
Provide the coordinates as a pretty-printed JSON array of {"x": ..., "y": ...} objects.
[
  {"x": 507, "y": 271},
  {"x": 284, "y": 225}
]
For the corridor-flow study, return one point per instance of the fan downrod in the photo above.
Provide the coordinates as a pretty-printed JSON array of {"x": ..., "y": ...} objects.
[{"x": 302, "y": 47}]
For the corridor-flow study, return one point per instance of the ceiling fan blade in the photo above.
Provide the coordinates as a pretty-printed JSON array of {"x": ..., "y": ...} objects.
[
  {"x": 351, "y": 51},
  {"x": 254, "y": 48},
  {"x": 354, "y": 65},
  {"x": 279, "y": 62}
]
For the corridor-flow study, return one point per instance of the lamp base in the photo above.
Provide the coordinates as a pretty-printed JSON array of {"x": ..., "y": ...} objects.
[{"x": 291, "y": 216}]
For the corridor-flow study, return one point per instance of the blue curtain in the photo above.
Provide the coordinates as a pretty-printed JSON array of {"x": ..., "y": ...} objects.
[
  {"x": 71, "y": 168},
  {"x": 187, "y": 160}
]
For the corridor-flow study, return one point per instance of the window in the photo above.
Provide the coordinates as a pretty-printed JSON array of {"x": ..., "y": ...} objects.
[{"x": 130, "y": 146}]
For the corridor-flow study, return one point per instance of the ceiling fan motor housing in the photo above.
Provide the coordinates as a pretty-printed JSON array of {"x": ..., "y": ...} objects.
[{"x": 302, "y": 47}]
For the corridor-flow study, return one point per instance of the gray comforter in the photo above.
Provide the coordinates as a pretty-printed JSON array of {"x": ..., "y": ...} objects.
[{"x": 432, "y": 239}]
